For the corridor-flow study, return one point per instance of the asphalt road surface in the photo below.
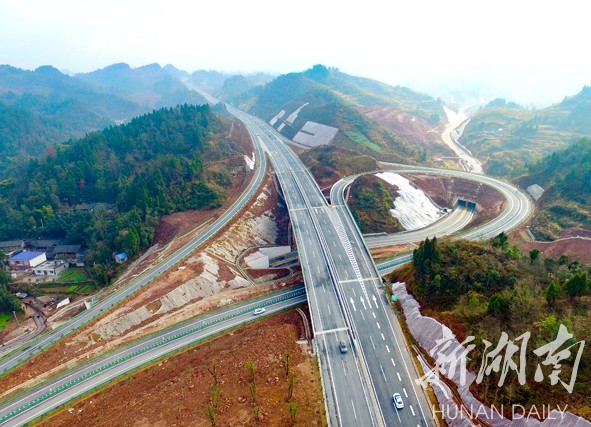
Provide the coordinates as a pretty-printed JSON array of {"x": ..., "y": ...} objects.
[
  {"x": 345, "y": 295},
  {"x": 56, "y": 392},
  {"x": 21, "y": 354},
  {"x": 330, "y": 243}
]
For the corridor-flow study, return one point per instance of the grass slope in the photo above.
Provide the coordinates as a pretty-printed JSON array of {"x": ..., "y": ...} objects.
[{"x": 337, "y": 99}]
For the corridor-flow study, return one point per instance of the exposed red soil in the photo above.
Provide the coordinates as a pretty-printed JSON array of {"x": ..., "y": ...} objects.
[
  {"x": 575, "y": 248},
  {"x": 390, "y": 251},
  {"x": 176, "y": 391},
  {"x": 181, "y": 222},
  {"x": 66, "y": 353},
  {"x": 575, "y": 232},
  {"x": 412, "y": 128}
]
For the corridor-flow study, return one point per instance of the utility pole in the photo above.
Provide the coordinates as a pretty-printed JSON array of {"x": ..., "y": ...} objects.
[{"x": 15, "y": 318}]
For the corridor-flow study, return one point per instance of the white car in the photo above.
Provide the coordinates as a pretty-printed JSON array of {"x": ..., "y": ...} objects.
[
  {"x": 398, "y": 401},
  {"x": 258, "y": 311}
]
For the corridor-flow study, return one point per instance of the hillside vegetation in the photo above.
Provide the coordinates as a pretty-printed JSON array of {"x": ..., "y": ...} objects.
[
  {"x": 160, "y": 163},
  {"x": 235, "y": 86},
  {"x": 8, "y": 301},
  {"x": 505, "y": 136},
  {"x": 485, "y": 289},
  {"x": 566, "y": 177},
  {"x": 44, "y": 107},
  {"x": 370, "y": 201},
  {"x": 337, "y": 99},
  {"x": 328, "y": 164}
]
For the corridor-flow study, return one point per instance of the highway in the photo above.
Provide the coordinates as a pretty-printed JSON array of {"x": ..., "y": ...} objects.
[
  {"x": 85, "y": 378},
  {"x": 518, "y": 208},
  {"x": 346, "y": 299},
  {"x": 344, "y": 292},
  {"x": 452, "y": 222},
  {"x": 458, "y": 219},
  {"x": 19, "y": 355}
]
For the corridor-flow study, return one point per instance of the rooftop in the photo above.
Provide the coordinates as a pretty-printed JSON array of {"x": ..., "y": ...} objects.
[
  {"x": 67, "y": 249},
  {"x": 26, "y": 256},
  {"x": 11, "y": 243}
]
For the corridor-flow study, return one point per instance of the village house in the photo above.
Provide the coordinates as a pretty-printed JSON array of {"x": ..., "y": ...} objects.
[
  {"x": 25, "y": 261},
  {"x": 50, "y": 268},
  {"x": 68, "y": 253},
  {"x": 12, "y": 247}
]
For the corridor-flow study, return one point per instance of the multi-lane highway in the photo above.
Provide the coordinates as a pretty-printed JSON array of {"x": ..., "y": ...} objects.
[
  {"x": 21, "y": 354},
  {"x": 87, "y": 377},
  {"x": 344, "y": 291},
  {"x": 518, "y": 208},
  {"x": 346, "y": 301}
]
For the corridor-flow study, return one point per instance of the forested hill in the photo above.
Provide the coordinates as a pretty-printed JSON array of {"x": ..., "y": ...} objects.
[
  {"x": 43, "y": 107},
  {"x": 156, "y": 164},
  {"x": 566, "y": 177},
  {"x": 372, "y": 118}
]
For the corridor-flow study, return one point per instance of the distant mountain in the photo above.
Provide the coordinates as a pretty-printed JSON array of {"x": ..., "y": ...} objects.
[
  {"x": 566, "y": 202},
  {"x": 57, "y": 96},
  {"x": 209, "y": 81},
  {"x": 505, "y": 135},
  {"x": 43, "y": 107},
  {"x": 149, "y": 86},
  {"x": 234, "y": 87},
  {"x": 371, "y": 117}
]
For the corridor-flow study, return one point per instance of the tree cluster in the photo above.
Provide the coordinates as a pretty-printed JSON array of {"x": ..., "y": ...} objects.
[{"x": 151, "y": 167}]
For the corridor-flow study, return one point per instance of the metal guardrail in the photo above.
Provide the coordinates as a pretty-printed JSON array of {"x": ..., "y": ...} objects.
[{"x": 143, "y": 350}]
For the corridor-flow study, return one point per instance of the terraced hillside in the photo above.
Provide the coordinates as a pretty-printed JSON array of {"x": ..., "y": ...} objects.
[{"x": 504, "y": 136}]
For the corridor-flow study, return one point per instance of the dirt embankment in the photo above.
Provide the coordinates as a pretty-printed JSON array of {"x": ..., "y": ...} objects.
[
  {"x": 205, "y": 280},
  {"x": 575, "y": 248},
  {"x": 443, "y": 191},
  {"x": 414, "y": 129},
  {"x": 177, "y": 390}
]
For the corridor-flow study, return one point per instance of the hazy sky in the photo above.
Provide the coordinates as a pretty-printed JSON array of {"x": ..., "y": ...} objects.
[{"x": 526, "y": 50}]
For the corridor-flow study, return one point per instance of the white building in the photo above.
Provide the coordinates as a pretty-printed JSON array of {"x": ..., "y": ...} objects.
[
  {"x": 25, "y": 261},
  {"x": 50, "y": 268}
]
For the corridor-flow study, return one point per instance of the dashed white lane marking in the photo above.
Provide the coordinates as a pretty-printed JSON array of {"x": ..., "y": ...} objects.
[
  {"x": 372, "y": 344},
  {"x": 383, "y": 337},
  {"x": 398, "y": 374},
  {"x": 393, "y": 363},
  {"x": 412, "y": 410},
  {"x": 388, "y": 348},
  {"x": 405, "y": 393}
]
